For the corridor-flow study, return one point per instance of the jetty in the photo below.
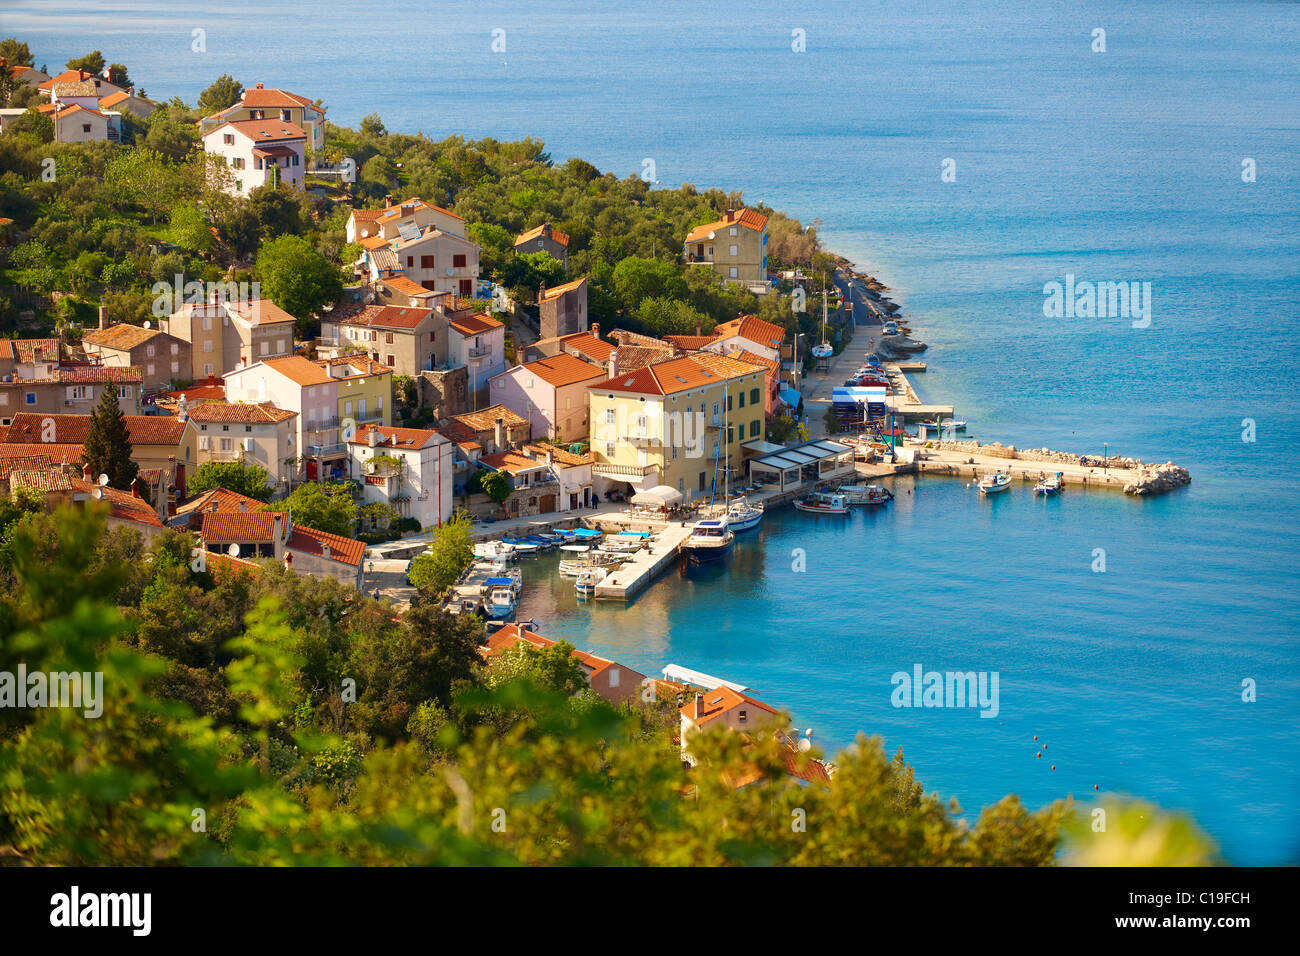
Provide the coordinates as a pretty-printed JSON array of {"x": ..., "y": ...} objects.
[
  {"x": 971, "y": 459},
  {"x": 645, "y": 565}
]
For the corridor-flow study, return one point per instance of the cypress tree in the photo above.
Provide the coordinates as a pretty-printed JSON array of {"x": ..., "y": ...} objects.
[{"x": 107, "y": 447}]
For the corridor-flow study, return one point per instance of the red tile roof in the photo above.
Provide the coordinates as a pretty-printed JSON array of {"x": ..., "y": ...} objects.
[
  {"x": 511, "y": 461},
  {"x": 475, "y": 324},
  {"x": 120, "y": 336},
  {"x": 310, "y": 541},
  {"x": 561, "y": 289},
  {"x": 224, "y": 527},
  {"x": 218, "y": 500},
  {"x": 27, "y": 427},
  {"x": 719, "y": 701},
  {"x": 243, "y": 413},
  {"x": 676, "y": 375},
  {"x": 564, "y": 369},
  {"x": 743, "y": 217},
  {"x": 388, "y": 316},
  {"x": 24, "y": 350},
  {"x": 122, "y": 504},
  {"x": 545, "y": 229},
  {"x": 391, "y": 437},
  {"x": 299, "y": 370},
  {"x": 264, "y": 130},
  {"x": 753, "y": 328}
]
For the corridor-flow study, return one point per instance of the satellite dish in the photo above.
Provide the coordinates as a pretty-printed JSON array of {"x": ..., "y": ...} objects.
[
  {"x": 805, "y": 745},
  {"x": 97, "y": 492},
  {"x": 148, "y": 324},
  {"x": 103, "y": 480},
  {"x": 233, "y": 550}
]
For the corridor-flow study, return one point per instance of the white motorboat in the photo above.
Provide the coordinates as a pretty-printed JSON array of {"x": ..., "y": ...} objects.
[
  {"x": 494, "y": 549},
  {"x": 589, "y": 578},
  {"x": 744, "y": 514},
  {"x": 572, "y": 567},
  {"x": 995, "y": 483},
  {"x": 710, "y": 540},
  {"x": 823, "y": 503},
  {"x": 626, "y": 541}
]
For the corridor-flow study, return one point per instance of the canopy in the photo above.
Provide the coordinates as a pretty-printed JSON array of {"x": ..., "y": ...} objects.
[
  {"x": 660, "y": 496},
  {"x": 790, "y": 397}
]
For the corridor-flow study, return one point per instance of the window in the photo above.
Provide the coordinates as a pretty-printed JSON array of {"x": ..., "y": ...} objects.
[
  {"x": 207, "y": 346},
  {"x": 237, "y": 162},
  {"x": 279, "y": 345},
  {"x": 610, "y": 416},
  {"x": 176, "y": 367},
  {"x": 31, "y": 398},
  {"x": 744, "y": 716},
  {"x": 702, "y": 475},
  {"x": 388, "y": 338},
  {"x": 347, "y": 408},
  {"x": 458, "y": 262},
  {"x": 733, "y": 232},
  {"x": 203, "y": 443},
  {"x": 609, "y": 449},
  {"x": 148, "y": 369},
  {"x": 284, "y": 115},
  {"x": 148, "y": 351},
  {"x": 228, "y": 139},
  {"x": 754, "y": 427},
  {"x": 225, "y": 428},
  {"x": 753, "y": 396},
  {"x": 176, "y": 349},
  {"x": 431, "y": 334},
  {"x": 742, "y": 400},
  {"x": 207, "y": 323},
  {"x": 732, "y": 272},
  {"x": 266, "y": 347},
  {"x": 681, "y": 482},
  {"x": 735, "y": 251},
  {"x": 426, "y": 262},
  {"x": 729, "y": 435},
  {"x": 410, "y": 261},
  {"x": 124, "y": 391},
  {"x": 207, "y": 368},
  {"x": 390, "y": 363},
  {"x": 225, "y": 444}
]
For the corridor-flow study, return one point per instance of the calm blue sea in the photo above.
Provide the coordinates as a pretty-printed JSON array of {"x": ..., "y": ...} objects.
[{"x": 1117, "y": 166}]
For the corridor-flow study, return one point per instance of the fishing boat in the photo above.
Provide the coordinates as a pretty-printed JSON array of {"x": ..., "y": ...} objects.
[
  {"x": 743, "y": 514},
  {"x": 586, "y": 535},
  {"x": 522, "y": 546},
  {"x": 626, "y": 541},
  {"x": 866, "y": 494},
  {"x": 993, "y": 484},
  {"x": 588, "y": 579},
  {"x": 823, "y": 503},
  {"x": 501, "y": 602},
  {"x": 710, "y": 540},
  {"x": 512, "y": 579},
  {"x": 1051, "y": 485},
  {"x": 572, "y": 567}
]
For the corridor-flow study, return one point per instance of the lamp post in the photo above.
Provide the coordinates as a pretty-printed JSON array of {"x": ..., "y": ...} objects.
[{"x": 1105, "y": 457}]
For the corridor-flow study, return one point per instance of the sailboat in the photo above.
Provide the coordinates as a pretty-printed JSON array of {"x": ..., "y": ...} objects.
[
  {"x": 824, "y": 350},
  {"x": 742, "y": 514}
]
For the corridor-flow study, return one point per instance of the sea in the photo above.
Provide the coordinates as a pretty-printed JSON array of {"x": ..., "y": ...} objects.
[{"x": 968, "y": 154}]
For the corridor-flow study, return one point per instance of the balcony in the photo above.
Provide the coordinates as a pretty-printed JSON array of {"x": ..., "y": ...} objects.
[
  {"x": 623, "y": 472},
  {"x": 480, "y": 353},
  {"x": 324, "y": 451}
]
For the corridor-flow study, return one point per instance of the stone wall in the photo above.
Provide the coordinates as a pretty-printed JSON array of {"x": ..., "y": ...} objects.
[{"x": 444, "y": 391}]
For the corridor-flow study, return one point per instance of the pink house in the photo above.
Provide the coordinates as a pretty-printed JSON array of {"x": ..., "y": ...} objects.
[{"x": 551, "y": 393}]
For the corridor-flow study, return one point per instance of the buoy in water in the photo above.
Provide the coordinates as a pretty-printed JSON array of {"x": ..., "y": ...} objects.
[
  {"x": 1053, "y": 766},
  {"x": 1094, "y": 786},
  {"x": 1035, "y": 736}
]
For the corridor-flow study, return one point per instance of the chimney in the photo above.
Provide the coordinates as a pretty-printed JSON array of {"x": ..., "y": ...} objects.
[
  {"x": 595, "y": 329},
  {"x": 135, "y": 487},
  {"x": 613, "y": 363},
  {"x": 541, "y": 293},
  {"x": 260, "y": 87},
  {"x": 699, "y": 709},
  {"x": 550, "y": 456},
  {"x": 243, "y": 507},
  {"x": 86, "y": 473},
  {"x": 699, "y": 329},
  {"x": 278, "y": 538},
  {"x": 500, "y": 434},
  {"x": 388, "y": 200},
  {"x": 324, "y": 550},
  {"x": 212, "y": 379},
  {"x": 103, "y": 317},
  {"x": 372, "y": 437}
]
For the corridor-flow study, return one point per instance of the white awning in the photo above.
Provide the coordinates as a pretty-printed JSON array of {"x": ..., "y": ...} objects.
[{"x": 660, "y": 496}]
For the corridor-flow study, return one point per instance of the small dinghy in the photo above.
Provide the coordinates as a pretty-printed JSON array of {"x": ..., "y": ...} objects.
[{"x": 995, "y": 483}]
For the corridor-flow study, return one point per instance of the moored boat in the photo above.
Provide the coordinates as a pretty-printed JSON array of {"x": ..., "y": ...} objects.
[
  {"x": 866, "y": 494},
  {"x": 493, "y": 550},
  {"x": 710, "y": 540},
  {"x": 1051, "y": 485},
  {"x": 588, "y": 578},
  {"x": 997, "y": 482},
  {"x": 744, "y": 514},
  {"x": 501, "y": 602},
  {"x": 823, "y": 503}
]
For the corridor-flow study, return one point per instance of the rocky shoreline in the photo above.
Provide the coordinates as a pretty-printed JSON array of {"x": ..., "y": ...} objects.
[{"x": 1150, "y": 478}]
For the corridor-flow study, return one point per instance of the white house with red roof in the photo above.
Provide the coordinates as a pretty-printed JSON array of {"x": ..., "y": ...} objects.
[
  {"x": 418, "y": 485},
  {"x": 260, "y": 103},
  {"x": 735, "y": 247},
  {"x": 259, "y": 152},
  {"x": 266, "y": 534},
  {"x": 387, "y": 223},
  {"x": 551, "y": 393},
  {"x": 478, "y": 342}
]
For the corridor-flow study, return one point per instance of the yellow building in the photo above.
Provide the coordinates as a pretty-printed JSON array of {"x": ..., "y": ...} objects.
[
  {"x": 680, "y": 423},
  {"x": 365, "y": 390}
]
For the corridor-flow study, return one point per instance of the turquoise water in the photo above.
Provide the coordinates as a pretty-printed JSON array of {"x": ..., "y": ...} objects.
[{"x": 1115, "y": 166}]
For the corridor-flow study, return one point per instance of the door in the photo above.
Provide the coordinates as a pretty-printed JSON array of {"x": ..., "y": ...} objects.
[
  {"x": 573, "y": 500},
  {"x": 466, "y": 288}
]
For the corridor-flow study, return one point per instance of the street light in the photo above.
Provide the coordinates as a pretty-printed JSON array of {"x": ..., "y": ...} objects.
[{"x": 1105, "y": 456}]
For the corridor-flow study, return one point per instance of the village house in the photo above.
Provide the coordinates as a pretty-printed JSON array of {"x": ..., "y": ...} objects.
[
  {"x": 735, "y": 247},
  {"x": 123, "y": 101},
  {"x": 679, "y": 422},
  {"x": 99, "y": 85},
  {"x": 259, "y": 152},
  {"x": 534, "y": 486},
  {"x": 164, "y": 448},
  {"x": 586, "y": 345},
  {"x": 161, "y": 358},
  {"x": 51, "y": 388},
  {"x": 494, "y": 429},
  {"x": 261, "y": 104},
  {"x": 406, "y": 339},
  {"x": 259, "y": 434},
  {"x": 408, "y": 469},
  {"x": 401, "y": 291},
  {"x": 572, "y": 472},
  {"x": 125, "y": 509},
  {"x": 385, "y": 224},
  {"x": 478, "y": 342},
  {"x": 331, "y": 397},
  {"x": 266, "y": 534},
  {"x": 74, "y": 108},
  {"x": 551, "y": 393},
  {"x": 26, "y": 75},
  {"x": 562, "y": 310},
  {"x": 188, "y": 514},
  {"x": 225, "y": 334},
  {"x": 723, "y": 707},
  {"x": 749, "y": 339},
  {"x": 431, "y": 258},
  {"x": 614, "y": 682},
  {"x": 545, "y": 238}
]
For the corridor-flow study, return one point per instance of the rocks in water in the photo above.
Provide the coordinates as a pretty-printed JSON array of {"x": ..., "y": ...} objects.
[
  {"x": 1158, "y": 479},
  {"x": 898, "y": 346}
]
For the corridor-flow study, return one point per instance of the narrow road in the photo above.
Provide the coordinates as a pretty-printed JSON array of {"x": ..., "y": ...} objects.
[{"x": 817, "y": 385}]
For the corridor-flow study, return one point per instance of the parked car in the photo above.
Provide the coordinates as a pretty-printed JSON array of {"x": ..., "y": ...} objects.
[{"x": 891, "y": 327}]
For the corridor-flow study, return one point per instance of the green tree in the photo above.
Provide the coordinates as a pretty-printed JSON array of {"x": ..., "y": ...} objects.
[
  {"x": 241, "y": 477},
  {"x": 297, "y": 278},
  {"x": 224, "y": 91},
  {"x": 311, "y": 507},
  {"x": 496, "y": 485},
  {"x": 523, "y": 275},
  {"x": 117, "y": 74},
  {"x": 189, "y": 228},
  {"x": 15, "y": 53},
  {"x": 35, "y": 124},
  {"x": 637, "y": 279},
  {"x": 107, "y": 448},
  {"x": 92, "y": 62},
  {"x": 449, "y": 553}
]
